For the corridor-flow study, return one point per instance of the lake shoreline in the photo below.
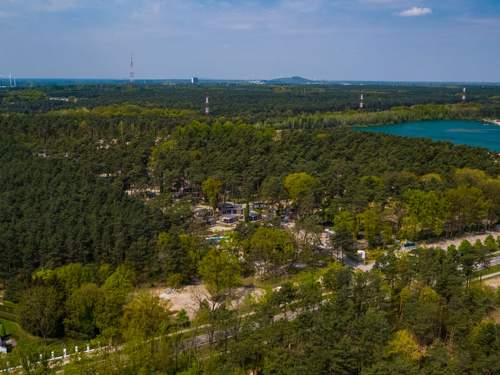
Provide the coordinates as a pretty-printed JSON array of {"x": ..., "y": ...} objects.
[
  {"x": 492, "y": 122},
  {"x": 473, "y": 133}
]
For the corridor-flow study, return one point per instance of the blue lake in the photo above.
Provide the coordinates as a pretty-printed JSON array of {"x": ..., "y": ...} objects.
[{"x": 472, "y": 133}]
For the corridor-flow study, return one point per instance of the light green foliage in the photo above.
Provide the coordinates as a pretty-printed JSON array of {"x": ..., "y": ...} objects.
[
  {"x": 73, "y": 276},
  {"x": 81, "y": 310},
  {"x": 220, "y": 271},
  {"x": 211, "y": 189},
  {"x": 490, "y": 244},
  {"x": 145, "y": 316},
  {"x": 116, "y": 290},
  {"x": 274, "y": 247},
  {"x": 403, "y": 344},
  {"x": 424, "y": 210},
  {"x": 469, "y": 176},
  {"x": 299, "y": 185},
  {"x": 122, "y": 280},
  {"x": 301, "y": 188}
]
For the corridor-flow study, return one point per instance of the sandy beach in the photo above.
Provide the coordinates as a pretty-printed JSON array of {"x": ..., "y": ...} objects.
[{"x": 492, "y": 122}]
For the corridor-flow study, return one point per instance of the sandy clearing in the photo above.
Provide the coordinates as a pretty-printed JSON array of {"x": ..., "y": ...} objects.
[
  {"x": 457, "y": 241},
  {"x": 221, "y": 229},
  {"x": 495, "y": 315},
  {"x": 493, "y": 282},
  {"x": 190, "y": 297},
  {"x": 187, "y": 298}
]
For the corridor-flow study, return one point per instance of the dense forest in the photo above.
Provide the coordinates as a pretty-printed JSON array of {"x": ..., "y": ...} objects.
[
  {"x": 59, "y": 209},
  {"x": 97, "y": 202},
  {"x": 251, "y": 102},
  {"x": 56, "y": 212}
]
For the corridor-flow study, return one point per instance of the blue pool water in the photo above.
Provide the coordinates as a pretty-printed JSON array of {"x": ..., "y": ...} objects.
[{"x": 472, "y": 133}]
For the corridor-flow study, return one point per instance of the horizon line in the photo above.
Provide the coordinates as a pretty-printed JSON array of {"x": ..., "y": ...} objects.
[{"x": 249, "y": 80}]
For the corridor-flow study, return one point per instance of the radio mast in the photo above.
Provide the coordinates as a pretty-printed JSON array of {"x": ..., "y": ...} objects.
[
  {"x": 131, "y": 74},
  {"x": 207, "y": 106}
]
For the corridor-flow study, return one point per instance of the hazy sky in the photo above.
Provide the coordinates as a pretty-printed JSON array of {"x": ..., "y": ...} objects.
[{"x": 443, "y": 40}]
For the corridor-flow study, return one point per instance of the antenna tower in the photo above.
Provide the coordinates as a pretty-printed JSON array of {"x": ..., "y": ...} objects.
[
  {"x": 207, "y": 106},
  {"x": 131, "y": 73},
  {"x": 7, "y": 80}
]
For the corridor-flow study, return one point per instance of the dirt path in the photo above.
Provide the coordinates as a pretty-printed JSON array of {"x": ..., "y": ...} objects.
[
  {"x": 457, "y": 241},
  {"x": 493, "y": 282}
]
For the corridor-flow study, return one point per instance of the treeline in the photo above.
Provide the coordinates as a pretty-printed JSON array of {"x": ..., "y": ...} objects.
[
  {"x": 391, "y": 116},
  {"x": 252, "y": 102},
  {"x": 126, "y": 121}
]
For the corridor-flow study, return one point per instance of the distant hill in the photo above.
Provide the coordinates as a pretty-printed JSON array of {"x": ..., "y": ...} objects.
[{"x": 290, "y": 81}]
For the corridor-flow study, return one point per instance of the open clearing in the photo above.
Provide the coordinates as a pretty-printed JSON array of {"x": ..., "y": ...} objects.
[
  {"x": 495, "y": 315},
  {"x": 189, "y": 297},
  {"x": 494, "y": 282},
  {"x": 458, "y": 240}
]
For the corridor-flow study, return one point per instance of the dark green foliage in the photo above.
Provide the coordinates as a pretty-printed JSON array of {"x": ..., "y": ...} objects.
[
  {"x": 40, "y": 311},
  {"x": 252, "y": 102},
  {"x": 242, "y": 156},
  {"x": 55, "y": 212}
]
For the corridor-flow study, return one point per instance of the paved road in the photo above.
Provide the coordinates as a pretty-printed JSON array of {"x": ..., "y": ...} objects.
[{"x": 495, "y": 261}]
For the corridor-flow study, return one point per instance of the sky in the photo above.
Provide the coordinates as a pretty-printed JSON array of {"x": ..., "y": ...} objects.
[{"x": 378, "y": 40}]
